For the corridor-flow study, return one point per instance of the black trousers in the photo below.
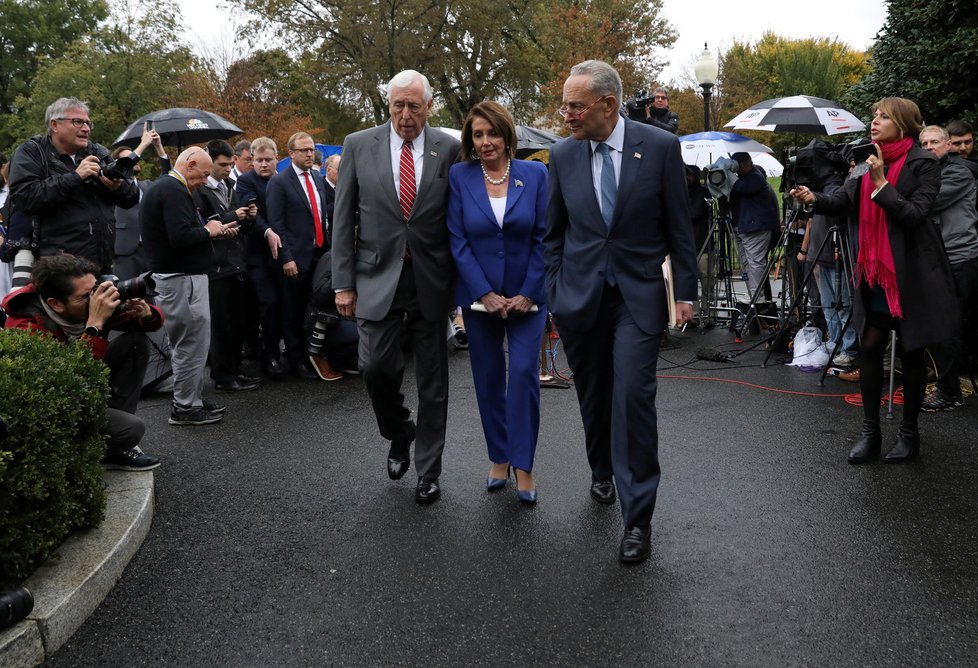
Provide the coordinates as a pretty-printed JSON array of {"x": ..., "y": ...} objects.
[
  {"x": 228, "y": 297},
  {"x": 127, "y": 358},
  {"x": 268, "y": 287}
]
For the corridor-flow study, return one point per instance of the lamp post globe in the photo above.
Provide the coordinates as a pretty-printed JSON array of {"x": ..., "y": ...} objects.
[{"x": 706, "y": 70}]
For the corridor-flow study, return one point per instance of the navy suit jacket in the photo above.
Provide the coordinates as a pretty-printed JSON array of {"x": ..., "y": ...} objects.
[
  {"x": 651, "y": 220},
  {"x": 507, "y": 261},
  {"x": 250, "y": 186},
  {"x": 290, "y": 215}
]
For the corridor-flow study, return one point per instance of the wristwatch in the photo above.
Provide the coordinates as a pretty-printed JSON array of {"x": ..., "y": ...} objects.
[{"x": 93, "y": 332}]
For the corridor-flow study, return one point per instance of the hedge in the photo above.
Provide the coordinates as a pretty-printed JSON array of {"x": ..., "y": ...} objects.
[{"x": 52, "y": 398}]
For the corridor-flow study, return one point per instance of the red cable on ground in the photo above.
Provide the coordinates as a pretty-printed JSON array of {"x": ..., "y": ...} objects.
[{"x": 759, "y": 387}]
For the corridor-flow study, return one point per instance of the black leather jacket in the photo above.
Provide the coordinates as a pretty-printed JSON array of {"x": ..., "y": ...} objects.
[{"x": 72, "y": 215}]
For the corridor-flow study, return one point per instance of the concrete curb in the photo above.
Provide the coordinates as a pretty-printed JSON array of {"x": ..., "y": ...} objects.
[{"x": 69, "y": 587}]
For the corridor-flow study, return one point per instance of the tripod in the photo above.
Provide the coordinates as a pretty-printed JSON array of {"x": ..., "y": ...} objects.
[
  {"x": 780, "y": 250},
  {"x": 717, "y": 281}
]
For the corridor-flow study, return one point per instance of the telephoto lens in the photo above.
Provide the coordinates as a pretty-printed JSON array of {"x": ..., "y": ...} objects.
[
  {"x": 23, "y": 261},
  {"x": 15, "y": 605}
]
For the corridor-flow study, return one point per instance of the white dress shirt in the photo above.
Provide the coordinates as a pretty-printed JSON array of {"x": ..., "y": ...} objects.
[
  {"x": 315, "y": 191},
  {"x": 417, "y": 149}
]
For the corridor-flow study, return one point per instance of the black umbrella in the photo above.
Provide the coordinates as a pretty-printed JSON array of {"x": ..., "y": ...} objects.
[
  {"x": 530, "y": 141},
  {"x": 180, "y": 127}
]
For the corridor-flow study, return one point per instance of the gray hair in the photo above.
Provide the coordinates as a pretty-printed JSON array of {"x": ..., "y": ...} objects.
[
  {"x": 331, "y": 161},
  {"x": 242, "y": 146},
  {"x": 62, "y": 106},
  {"x": 405, "y": 79},
  {"x": 661, "y": 90},
  {"x": 604, "y": 78},
  {"x": 935, "y": 128}
]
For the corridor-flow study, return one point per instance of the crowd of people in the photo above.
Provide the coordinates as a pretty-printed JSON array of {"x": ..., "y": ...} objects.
[{"x": 323, "y": 275}]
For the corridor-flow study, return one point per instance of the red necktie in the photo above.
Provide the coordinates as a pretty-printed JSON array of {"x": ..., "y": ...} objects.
[
  {"x": 408, "y": 187},
  {"x": 316, "y": 220}
]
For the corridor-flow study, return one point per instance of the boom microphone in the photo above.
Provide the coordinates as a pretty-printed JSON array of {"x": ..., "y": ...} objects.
[{"x": 713, "y": 355}]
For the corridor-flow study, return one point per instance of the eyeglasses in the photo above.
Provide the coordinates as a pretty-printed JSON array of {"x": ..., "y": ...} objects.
[
  {"x": 660, "y": 97},
  {"x": 78, "y": 122},
  {"x": 303, "y": 150},
  {"x": 575, "y": 111}
]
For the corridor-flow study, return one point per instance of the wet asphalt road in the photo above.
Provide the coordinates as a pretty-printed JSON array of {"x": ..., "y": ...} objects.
[{"x": 279, "y": 540}]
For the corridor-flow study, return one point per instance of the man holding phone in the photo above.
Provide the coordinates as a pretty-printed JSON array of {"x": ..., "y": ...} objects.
[
  {"x": 217, "y": 200},
  {"x": 179, "y": 246}
]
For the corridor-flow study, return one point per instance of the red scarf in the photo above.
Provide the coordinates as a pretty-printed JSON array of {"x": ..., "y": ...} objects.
[{"x": 875, "y": 260}]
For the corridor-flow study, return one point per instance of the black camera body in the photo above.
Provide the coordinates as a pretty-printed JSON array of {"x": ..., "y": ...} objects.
[
  {"x": 15, "y": 605},
  {"x": 120, "y": 168},
  {"x": 137, "y": 287},
  {"x": 636, "y": 107}
]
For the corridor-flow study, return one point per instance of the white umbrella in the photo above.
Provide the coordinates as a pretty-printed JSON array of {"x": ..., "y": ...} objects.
[
  {"x": 768, "y": 162},
  {"x": 798, "y": 113},
  {"x": 703, "y": 148}
]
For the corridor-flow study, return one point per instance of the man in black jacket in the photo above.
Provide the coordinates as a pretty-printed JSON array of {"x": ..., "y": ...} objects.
[
  {"x": 179, "y": 247},
  {"x": 217, "y": 200},
  {"x": 58, "y": 179}
]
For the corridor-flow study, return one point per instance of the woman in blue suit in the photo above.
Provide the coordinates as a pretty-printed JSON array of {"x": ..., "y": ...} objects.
[{"x": 496, "y": 218}]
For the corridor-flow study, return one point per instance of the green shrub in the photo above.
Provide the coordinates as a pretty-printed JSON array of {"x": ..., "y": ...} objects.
[{"x": 52, "y": 398}]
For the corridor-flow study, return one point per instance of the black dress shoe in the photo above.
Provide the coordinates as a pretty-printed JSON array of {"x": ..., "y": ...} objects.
[
  {"x": 235, "y": 385},
  {"x": 603, "y": 491},
  {"x": 906, "y": 448},
  {"x": 273, "y": 369},
  {"x": 867, "y": 447},
  {"x": 636, "y": 545},
  {"x": 248, "y": 380},
  {"x": 399, "y": 456},
  {"x": 302, "y": 370},
  {"x": 427, "y": 491}
]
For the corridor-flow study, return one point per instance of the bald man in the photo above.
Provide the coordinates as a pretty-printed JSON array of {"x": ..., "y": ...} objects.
[{"x": 178, "y": 245}]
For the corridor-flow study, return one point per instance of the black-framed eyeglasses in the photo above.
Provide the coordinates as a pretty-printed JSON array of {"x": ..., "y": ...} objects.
[
  {"x": 78, "y": 122},
  {"x": 303, "y": 150},
  {"x": 574, "y": 112},
  {"x": 660, "y": 97}
]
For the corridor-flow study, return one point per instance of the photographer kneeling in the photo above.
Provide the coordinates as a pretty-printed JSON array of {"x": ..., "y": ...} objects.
[{"x": 66, "y": 301}]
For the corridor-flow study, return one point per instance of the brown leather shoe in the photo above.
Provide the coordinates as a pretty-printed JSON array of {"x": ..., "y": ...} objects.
[{"x": 325, "y": 370}]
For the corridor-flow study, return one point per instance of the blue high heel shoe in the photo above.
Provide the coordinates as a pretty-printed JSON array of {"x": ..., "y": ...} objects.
[
  {"x": 495, "y": 484},
  {"x": 527, "y": 496}
]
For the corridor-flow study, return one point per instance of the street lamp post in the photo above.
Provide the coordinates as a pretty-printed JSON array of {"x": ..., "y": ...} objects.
[{"x": 706, "y": 75}]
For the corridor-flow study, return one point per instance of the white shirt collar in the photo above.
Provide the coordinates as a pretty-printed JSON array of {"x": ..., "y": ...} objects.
[
  {"x": 298, "y": 172},
  {"x": 616, "y": 139},
  {"x": 417, "y": 144},
  {"x": 212, "y": 182}
]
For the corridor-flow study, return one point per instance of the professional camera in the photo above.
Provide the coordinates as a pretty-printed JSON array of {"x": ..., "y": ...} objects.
[
  {"x": 637, "y": 106},
  {"x": 137, "y": 287},
  {"x": 120, "y": 168},
  {"x": 721, "y": 176},
  {"x": 15, "y": 605},
  {"x": 816, "y": 165}
]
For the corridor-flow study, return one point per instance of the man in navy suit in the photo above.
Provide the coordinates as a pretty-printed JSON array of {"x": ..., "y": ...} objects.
[
  {"x": 296, "y": 199},
  {"x": 262, "y": 245},
  {"x": 617, "y": 207}
]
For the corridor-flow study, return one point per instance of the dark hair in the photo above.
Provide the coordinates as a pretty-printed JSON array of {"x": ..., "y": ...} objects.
[
  {"x": 501, "y": 121},
  {"x": 52, "y": 275},
  {"x": 219, "y": 147},
  {"x": 960, "y": 128},
  {"x": 242, "y": 146},
  {"x": 117, "y": 151}
]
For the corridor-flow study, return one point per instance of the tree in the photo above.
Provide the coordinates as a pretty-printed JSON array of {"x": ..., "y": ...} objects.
[
  {"x": 925, "y": 52},
  {"x": 470, "y": 51},
  {"x": 32, "y": 32},
  {"x": 125, "y": 71}
]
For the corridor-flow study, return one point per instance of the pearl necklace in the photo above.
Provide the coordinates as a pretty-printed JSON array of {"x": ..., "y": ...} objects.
[{"x": 496, "y": 182}]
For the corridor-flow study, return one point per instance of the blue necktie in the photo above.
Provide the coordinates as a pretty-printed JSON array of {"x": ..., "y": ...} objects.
[{"x": 609, "y": 189}]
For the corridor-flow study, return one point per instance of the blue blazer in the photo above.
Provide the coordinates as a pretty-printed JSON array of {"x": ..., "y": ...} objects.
[
  {"x": 290, "y": 215},
  {"x": 507, "y": 261},
  {"x": 650, "y": 221}
]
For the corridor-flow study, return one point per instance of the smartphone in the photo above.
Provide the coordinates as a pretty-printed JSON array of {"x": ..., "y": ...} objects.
[
  {"x": 860, "y": 152},
  {"x": 149, "y": 125}
]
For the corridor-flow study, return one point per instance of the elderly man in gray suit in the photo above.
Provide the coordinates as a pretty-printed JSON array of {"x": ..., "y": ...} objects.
[
  {"x": 393, "y": 271},
  {"x": 617, "y": 207}
]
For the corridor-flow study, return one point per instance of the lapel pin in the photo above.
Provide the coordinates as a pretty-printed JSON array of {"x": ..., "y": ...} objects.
[
  {"x": 519, "y": 184},
  {"x": 434, "y": 155},
  {"x": 637, "y": 156}
]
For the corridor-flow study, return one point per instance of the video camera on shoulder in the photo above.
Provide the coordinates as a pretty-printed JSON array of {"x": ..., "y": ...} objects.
[{"x": 637, "y": 106}]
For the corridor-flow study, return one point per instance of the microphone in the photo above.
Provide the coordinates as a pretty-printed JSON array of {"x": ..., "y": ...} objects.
[{"x": 713, "y": 355}]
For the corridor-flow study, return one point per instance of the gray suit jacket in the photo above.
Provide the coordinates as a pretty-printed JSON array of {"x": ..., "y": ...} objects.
[{"x": 370, "y": 235}]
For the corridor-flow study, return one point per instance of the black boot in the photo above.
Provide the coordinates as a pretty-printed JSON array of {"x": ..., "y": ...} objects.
[
  {"x": 906, "y": 448},
  {"x": 867, "y": 447}
]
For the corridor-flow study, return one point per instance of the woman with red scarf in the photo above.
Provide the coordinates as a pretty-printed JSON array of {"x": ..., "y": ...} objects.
[{"x": 901, "y": 274}]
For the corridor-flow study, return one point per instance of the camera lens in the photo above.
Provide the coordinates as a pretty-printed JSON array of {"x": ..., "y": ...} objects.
[{"x": 15, "y": 605}]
